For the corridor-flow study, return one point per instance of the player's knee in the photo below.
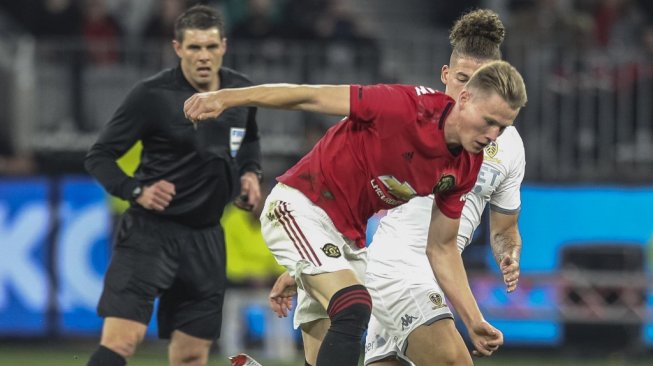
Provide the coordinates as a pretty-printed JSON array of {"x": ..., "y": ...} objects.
[
  {"x": 454, "y": 356},
  {"x": 126, "y": 347},
  {"x": 190, "y": 359},
  {"x": 123, "y": 343},
  {"x": 350, "y": 310}
]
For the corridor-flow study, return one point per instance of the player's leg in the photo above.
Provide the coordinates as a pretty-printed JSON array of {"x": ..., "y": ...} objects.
[
  {"x": 312, "y": 335},
  {"x": 349, "y": 307},
  {"x": 325, "y": 265},
  {"x": 439, "y": 343},
  {"x": 381, "y": 348},
  {"x": 118, "y": 342},
  {"x": 133, "y": 279},
  {"x": 390, "y": 361},
  {"x": 186, "y": 350},
  {"x": 190, "y": 311},
  {"x": 411, "y": 318}
]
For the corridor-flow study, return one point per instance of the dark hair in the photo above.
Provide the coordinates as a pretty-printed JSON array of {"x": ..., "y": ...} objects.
[
  {"x": 198, "y": 17},
  {"x": 477, "y": 34}
]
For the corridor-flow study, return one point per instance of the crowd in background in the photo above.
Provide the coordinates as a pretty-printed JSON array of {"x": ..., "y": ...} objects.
[{"x": 616, "y": 33}]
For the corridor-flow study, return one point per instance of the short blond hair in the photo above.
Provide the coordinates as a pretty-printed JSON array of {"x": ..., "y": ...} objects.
[{"x": 502, "y": 78}]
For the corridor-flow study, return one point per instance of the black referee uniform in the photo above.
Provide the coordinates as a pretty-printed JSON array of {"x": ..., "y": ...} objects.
[{"x": 178, "y": 253}]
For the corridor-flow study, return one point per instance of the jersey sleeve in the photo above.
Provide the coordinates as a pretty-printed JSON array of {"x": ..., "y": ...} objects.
[
  {"x": 116, "y": 137},
  {"x": 382, "y": 102},
  {"x": 451, "y": 202},
  {"x": 507, "y": 198}
]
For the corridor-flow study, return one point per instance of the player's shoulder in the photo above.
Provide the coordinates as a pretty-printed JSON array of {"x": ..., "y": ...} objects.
[
  {"x": 230, "y": 78},
  {"x": 161, "y": 78},
  {"x": 153, "y": 85},
  {"x": 511, "y": 142}
]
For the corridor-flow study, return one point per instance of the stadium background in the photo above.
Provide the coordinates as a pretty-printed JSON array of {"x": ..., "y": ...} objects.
[{"x": 585, "y": 297}]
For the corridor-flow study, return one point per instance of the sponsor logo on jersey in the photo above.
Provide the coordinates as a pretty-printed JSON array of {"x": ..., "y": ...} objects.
[
  {"x": 436, "y": 300},
  {"x": 403, "y": 191},
  {"x": 446, "y": 182},
  {"x": 400, "y": 192},
  {"x": 378, "y": 342},
  {"x": 331, "y": 250}
]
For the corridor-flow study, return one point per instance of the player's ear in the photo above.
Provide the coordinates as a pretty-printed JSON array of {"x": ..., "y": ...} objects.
[
  {"x": 444, "y": 74},
  {"x": 464, "y": 97},
  {"x": 177, "y": 46}
]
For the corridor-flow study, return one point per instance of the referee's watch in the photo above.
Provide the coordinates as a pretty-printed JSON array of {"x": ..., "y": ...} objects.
[
  {"x": 136, "y": 192},
  {"x": 258, "y": 173}
]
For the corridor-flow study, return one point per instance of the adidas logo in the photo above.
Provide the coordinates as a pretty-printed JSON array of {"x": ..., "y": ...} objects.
[{"x": 408, "y": 156}]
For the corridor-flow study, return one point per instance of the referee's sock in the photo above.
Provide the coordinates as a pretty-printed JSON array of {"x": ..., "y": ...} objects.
[
  {"x": 349, "y": 311},
  {"x": 103, "y": 356}
]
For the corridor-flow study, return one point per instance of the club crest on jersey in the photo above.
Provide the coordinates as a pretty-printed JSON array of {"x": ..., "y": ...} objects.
[
  {"x": 331, "y": 250},
  {"x": 436, "y": 300},
  {"x": 492, "y": 149},
  {"x": 445, "y": 183}
]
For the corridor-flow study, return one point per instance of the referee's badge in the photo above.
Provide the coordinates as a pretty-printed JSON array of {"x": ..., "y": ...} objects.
[
  {"x": 331, "y": 250},
  {"x": 436, "y": 300},
  {"x": 236, "y": 136}
]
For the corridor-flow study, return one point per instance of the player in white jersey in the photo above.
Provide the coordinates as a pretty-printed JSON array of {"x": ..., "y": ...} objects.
[{"x": 411, "y": 322}]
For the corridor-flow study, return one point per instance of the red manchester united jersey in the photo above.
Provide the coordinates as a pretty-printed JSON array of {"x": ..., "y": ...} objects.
[{"x": 390, "y": 149}]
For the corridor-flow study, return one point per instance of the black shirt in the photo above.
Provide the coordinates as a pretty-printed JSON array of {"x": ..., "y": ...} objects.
[{"x": 203, "y": 164}]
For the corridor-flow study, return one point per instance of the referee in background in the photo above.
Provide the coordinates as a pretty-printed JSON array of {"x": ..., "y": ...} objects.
[{"x": 169, "y": 243}]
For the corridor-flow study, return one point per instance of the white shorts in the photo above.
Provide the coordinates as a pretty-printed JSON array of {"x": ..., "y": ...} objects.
[
  {"x": 405, "y": 295},
  {"x": 302, "y": 238}
]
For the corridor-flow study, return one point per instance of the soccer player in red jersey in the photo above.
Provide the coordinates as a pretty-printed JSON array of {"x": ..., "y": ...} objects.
[{"x": 397, "y": 142}]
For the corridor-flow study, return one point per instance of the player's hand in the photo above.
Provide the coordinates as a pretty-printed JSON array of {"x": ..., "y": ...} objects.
[
  {"x": 201, "y": 106},
  {"x": 157, "y": 196},
  {"x": 281, "y": 295},
  {"x": 510, "y": 270},
  {"x": 485, "y": 338},
  {"x": 250, "y": 192}
]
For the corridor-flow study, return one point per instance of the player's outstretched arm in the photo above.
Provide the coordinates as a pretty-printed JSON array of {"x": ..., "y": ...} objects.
[
  {"x": 327, "y": 99},
  {"x": 281, "y": 294},
  {"x": 506, "y": 245},
  {"x": 448, "y": 268}
]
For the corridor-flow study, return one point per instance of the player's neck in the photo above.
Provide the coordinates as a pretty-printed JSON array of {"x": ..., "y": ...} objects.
[{"x": 451, "y": 136}]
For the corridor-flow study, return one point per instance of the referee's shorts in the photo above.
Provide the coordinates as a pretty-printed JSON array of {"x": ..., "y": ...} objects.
[{"x": 154, "y": 257}]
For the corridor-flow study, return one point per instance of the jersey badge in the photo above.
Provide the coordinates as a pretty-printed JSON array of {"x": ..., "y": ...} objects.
[
  {"x": 446, "y": 182},
  {"x": 331, "y": 250},
  {"x": 492, "y": 149},
  {"x": 436, "y": 300}
]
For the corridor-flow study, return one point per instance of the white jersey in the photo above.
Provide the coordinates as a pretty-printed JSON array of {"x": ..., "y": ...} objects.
[{"x": 399, "y": 277}]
